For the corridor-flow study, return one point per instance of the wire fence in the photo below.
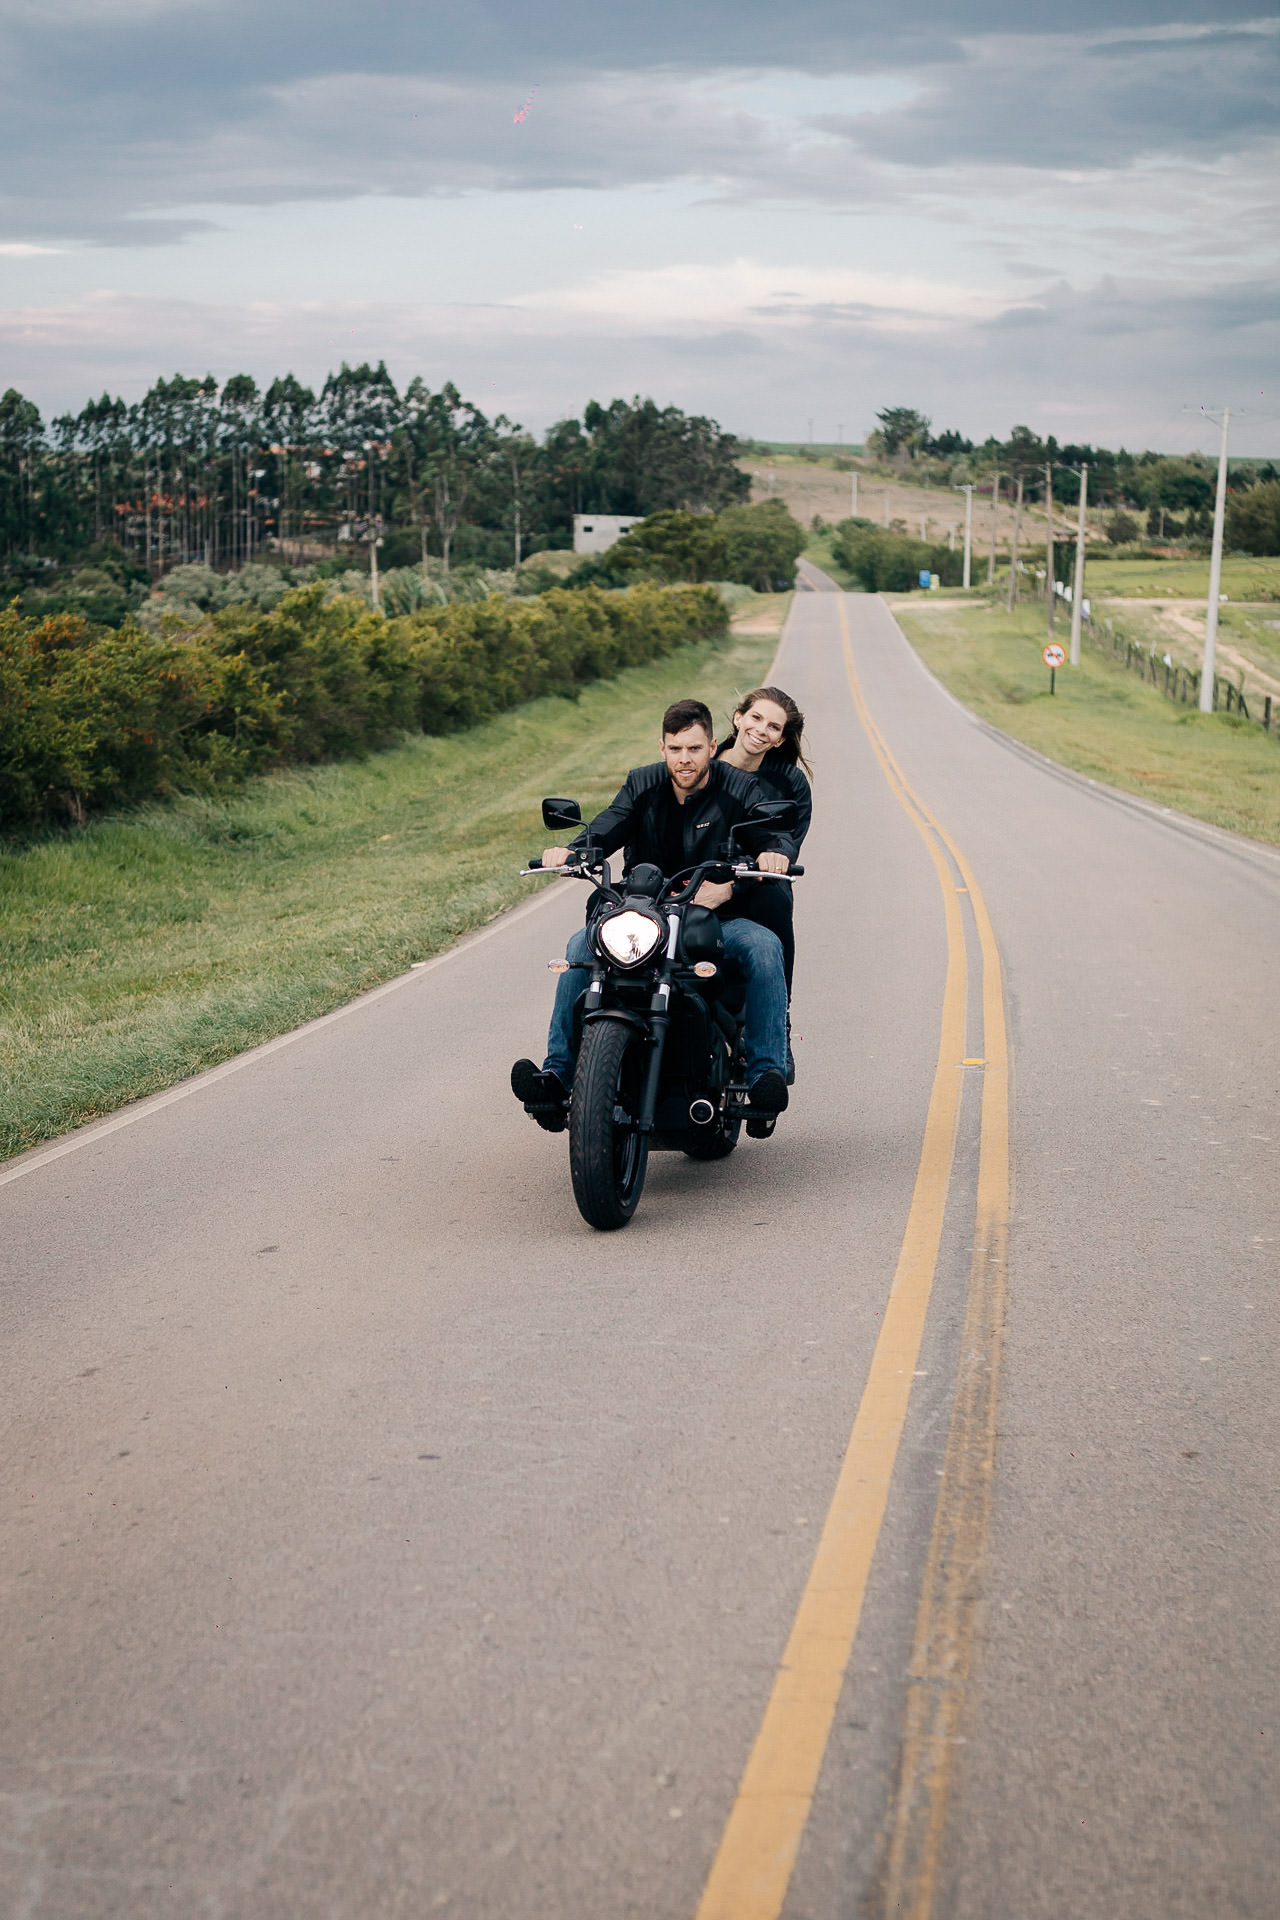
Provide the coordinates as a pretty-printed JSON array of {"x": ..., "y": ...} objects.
[{"x": 1175, "y": 681}]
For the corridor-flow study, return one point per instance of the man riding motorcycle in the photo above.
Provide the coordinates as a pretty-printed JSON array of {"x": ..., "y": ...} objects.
[{"x": 675, "y": 814}]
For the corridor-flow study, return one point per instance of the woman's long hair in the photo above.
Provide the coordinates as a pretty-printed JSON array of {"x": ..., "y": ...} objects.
[{"x": 791, "y": 746}]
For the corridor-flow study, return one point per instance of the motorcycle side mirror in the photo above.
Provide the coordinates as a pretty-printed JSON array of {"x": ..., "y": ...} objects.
[
  {"x": 557, "y": 814},
  {"x": 775, "y": 813},
  {"x": 765, "y": 813}
]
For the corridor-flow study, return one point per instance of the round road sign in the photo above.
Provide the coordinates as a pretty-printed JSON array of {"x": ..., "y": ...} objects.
[{"x": 1054, "y": 655}]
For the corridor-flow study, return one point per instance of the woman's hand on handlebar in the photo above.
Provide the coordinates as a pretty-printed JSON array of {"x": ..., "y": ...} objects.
[{"x": 773, "y": 863}]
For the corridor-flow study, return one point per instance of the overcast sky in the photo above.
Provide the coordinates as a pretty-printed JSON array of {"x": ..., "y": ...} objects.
[{"x": 777, "y": 214}]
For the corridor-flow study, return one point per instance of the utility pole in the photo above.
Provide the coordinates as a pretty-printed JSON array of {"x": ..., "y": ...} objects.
[
  {"x": 853, "y": 495},
  {"x": 374, "y": 524},
  {"x": 1013, "y": 557},
  {"x": 995, "y": 527},
  {"x": 1049, "y": 594},
  {"x": 1077, "y": 590},
  {"x": 967, "y": 491},
  {"x": 1209, "y": 666}
]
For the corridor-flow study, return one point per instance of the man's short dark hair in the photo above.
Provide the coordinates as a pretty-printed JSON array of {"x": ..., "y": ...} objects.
[{"x": 688, "y": 713}]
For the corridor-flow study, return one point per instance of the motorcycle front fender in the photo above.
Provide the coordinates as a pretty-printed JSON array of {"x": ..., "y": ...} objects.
[{"x": 622, "y": 1015}]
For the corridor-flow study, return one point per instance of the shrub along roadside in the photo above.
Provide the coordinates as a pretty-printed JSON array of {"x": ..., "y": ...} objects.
[
  {"x": 91, "y": 717},
  {"x": 754, "y": 546},
  {"x": 164, "y": 939},
  {"x": 885, "y": 562}
]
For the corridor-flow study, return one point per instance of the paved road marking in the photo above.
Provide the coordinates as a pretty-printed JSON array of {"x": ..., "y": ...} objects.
[
  {"x": 939, "y": 1687},
  {"x": 752, "y": 1868}
]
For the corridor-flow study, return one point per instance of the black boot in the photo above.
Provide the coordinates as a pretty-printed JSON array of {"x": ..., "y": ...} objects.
[
  {"x": 769, "y": 1093},
  {"x": 544, "y": 1095}
]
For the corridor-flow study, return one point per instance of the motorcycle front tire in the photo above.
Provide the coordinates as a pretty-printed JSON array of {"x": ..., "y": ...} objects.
[{"x": 607, "y": 1157}]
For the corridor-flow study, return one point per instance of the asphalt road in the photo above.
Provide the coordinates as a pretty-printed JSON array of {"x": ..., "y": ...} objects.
[{"x": 378, "y": 1540}]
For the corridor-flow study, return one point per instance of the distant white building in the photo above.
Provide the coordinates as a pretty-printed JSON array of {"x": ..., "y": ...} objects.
[{"x": 597, "y": 532}]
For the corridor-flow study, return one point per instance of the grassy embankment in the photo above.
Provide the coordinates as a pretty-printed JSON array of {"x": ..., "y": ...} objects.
[
  {"x": 1103, "y": 721},
  {"x": 155, "y": 943}
]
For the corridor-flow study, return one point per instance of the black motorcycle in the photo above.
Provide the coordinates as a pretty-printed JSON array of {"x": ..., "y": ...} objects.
[{"x": 658, "y": 1029}]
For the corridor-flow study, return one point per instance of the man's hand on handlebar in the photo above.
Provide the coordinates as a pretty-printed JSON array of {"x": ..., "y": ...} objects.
[
  {"x": 773, "y": 863},
  {"x": 555, "y": 856}
]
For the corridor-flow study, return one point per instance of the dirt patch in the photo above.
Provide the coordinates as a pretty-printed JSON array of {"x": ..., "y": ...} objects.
[
  {"x": 1178, "y": 627},
  {"x": 808, "y": 489}
]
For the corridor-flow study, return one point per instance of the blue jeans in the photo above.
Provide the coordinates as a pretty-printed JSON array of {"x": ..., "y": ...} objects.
[{"x": 759, "y": 954}]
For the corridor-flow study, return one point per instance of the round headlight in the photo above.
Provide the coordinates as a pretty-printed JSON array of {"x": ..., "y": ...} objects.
[{"x": 629, "y": 938}]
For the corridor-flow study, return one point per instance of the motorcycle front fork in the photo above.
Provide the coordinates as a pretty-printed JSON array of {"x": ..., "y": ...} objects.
[{"x": 660, "y": 1020}]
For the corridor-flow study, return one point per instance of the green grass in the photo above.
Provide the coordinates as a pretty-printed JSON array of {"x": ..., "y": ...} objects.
[
  {"x": 1103, "y": 721},
  {"x": 156, "y": 943},
  {"x": 1242, "y": 579}
]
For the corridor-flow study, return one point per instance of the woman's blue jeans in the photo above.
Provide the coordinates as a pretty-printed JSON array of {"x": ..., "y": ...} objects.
[{"x": 759, "y": 954}]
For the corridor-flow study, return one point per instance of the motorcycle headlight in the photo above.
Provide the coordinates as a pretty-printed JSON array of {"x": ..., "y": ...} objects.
[{"x": 629, "y": 938}]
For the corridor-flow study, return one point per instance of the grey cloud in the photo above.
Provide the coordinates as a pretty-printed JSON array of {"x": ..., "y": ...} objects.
[
  {"x": 340, "y": 137},
  {"x": 1063, "y": 105},
  {"x": 205, "y": 47},
  {"x": 118, "y": 118}
]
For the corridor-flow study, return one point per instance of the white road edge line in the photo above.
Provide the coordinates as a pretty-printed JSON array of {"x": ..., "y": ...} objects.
[
  {"x": 36, "y": 1157},
  {"x": 1241, "y": 846}
]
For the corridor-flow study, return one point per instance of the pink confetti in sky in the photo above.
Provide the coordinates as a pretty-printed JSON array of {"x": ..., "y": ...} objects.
[{"x": 523, "y": 111}]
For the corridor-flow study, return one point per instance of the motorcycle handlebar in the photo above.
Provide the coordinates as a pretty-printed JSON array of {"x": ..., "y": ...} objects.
[
  {"x": 575, "y": 868},
  {"x": 580, "y": 868}
]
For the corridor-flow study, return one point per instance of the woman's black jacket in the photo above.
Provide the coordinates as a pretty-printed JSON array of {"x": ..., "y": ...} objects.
[
  {"x": 783, "y": 780},
  {"x": 631, "y": 818}
]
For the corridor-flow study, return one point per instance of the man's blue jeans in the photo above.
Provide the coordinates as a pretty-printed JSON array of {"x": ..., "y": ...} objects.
[{"x": 756, "y": 950}]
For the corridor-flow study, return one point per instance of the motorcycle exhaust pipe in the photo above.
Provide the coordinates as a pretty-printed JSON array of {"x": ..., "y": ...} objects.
[{"x": 702, "y": 1113}]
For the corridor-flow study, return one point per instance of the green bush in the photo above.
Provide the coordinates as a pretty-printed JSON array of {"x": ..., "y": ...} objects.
[
  {"x": 885, "y": 562},
  {"x": 762, "y": 544},
  {"x": 1253, "y": 519},
  {"x": 672, "y": 545},
  {"x": 91, "y": 717},
  {"x": 757, "y": 546}
]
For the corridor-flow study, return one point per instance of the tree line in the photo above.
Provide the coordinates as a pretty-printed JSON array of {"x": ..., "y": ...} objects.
[
  {"x": 197, "y": 472},
  {"x": 1176, "y": 493}
]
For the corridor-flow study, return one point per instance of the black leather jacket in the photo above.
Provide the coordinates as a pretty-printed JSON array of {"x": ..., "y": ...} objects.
[
  {"x": 728, "y": 797},
  {"x": 783, "y": 780}
]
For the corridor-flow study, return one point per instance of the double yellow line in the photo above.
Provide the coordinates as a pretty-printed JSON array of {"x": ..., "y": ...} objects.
[{"x": 753, "y": 1865}]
